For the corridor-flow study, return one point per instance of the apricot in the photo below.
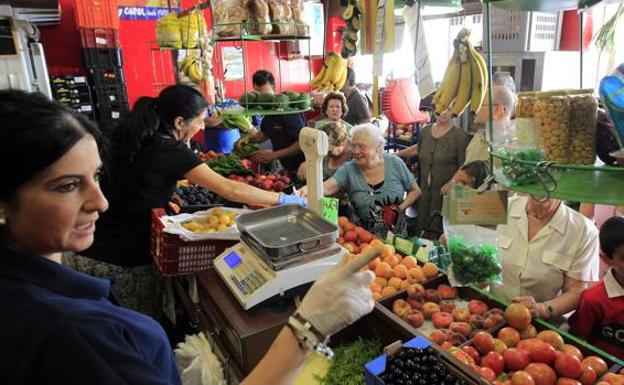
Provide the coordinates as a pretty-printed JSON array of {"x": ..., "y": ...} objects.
[
  {"x": 400, "y": 271},
  {"x": 376, "y": 243},
  {"x": 430, "y": 270},
  {"x": 395, "y": 283},
  {"x": 388, "y": 290},
  {"x": 409, "y": 262},
  {"x": 373, "y": 264},
  {"x": 383, "y": 270},
  {"x": 381, "y": 282},
  {"x": 376, "y": 296},
  {"x": 375, "y": 287},
  {"x": 415, "y": 275},
  {"x": 391, "y": 260},
  {"x": 388, "y": 250}
]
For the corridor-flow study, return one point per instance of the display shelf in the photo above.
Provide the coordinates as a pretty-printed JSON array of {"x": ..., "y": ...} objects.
[
  {"x": 262, "y": 38},
  {"x": 538, "y": 5},
  {"x": 255, "y": 111}
]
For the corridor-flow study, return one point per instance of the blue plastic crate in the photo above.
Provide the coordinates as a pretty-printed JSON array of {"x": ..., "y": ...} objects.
[{"x": 376, "y": 367}]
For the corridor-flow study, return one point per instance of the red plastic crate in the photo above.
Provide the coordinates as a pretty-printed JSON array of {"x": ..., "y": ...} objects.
[
  {"x": 173, "y": 256},
  {"x": 97, "y": 14},
  {"x": 99, "y": 38}
]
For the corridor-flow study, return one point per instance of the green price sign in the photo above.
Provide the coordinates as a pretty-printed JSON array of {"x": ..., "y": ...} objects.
[{"x": 329, "y": 208}]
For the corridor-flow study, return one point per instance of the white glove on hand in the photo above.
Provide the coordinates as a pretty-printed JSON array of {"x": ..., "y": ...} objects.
[{"x": 341, "y": 296}]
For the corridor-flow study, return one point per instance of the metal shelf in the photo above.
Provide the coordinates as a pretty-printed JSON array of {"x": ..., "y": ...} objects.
[
  {"x": 276, "y": 38},
  {"x": 535, "y": 5},
  {"x": 253, "y": 111}
]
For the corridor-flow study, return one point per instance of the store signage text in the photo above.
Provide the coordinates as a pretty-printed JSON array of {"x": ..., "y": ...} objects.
[{"x": 143, "y": 13}]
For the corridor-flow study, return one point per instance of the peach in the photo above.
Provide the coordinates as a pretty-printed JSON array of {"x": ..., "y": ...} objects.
[
  {"x": 462, "y": 328},
  {"x": 477, "y": 307},
  {"x": 388, "y": 250},
  {"x": 400, "y": 307},
  {"x": 447, "y": 292},
  {"x": 414, "y": 318},
  {"x": 428, "y": 308},
  {"x": 493, "y": 321},
  {"x": 404, "y": 284},
  {"x": 476, "y": 321},
  {"x": 528, "y": 332},
  {"x": 461, "y": 315},
  {"x": 441, "y": 320},
  {"x": 414, "y": 288},
  {"x": 432, "y": 295},
  {"x": 509, "y": 336},
  {"x": 484, "y": 342},
  {"x": 373, "y": 264},
  {"x": 416, "y": 305},
  {"x": 447, "y": 307},
  {"x": 438, "y": 336}
]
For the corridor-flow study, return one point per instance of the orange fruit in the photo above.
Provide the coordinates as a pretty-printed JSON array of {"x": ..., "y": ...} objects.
[
  {"x": 374, "y": 287},
  {"x": 395, "y": 283},
  {"x": 415, "y": 275},
  {"x": 430, "y": 270},
  {"x": 400, "y": 271},
  {"x": 381, "y": 282},
  {"x": 405, "y": 284},
  {"x": 373, "y": 264},
  {"x": 376, "y": 243},
  {"x": 409, "y": 262},
  {"x": 376, "y": 296},
  {"x": 391, "y": 260},
  {"x": 342, "y": 221},
  {"x": 388, "y": 250},
  {"x": 388, "y": 290},
  {"x": 383, "y": 270}
]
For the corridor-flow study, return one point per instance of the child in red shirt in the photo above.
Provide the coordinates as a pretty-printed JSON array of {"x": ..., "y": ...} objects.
[{"x": 600, "y": 316}]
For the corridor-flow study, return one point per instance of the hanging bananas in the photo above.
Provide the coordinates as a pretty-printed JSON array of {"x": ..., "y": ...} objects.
[
  {"x": 194, "y": 68},
  {"x": 333, "y": 74},
  {"x": 465, "y": 80}
]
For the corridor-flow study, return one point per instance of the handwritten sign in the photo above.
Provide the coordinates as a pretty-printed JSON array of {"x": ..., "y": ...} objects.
[
  {"x": 464, "y": 206},
  {"x": 329, "y": 209}
]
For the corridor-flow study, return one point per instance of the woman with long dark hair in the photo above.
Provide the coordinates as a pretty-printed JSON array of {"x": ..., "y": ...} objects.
[{"x": 148, "y": 155}]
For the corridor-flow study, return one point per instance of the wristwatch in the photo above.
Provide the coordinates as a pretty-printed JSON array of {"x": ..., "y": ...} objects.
[
  {"x": 309, "y": 336},
  {"x": 549, "y": 310}
]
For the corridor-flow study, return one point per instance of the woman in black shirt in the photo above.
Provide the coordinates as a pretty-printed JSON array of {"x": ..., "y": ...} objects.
[{"x": 148, "y": 156}]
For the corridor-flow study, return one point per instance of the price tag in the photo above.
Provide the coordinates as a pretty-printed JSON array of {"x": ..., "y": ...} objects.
[
  {"x": 464, "y": 206},
  {"x": 329, "y": 208},
  {"x": 402, "y": 245}
]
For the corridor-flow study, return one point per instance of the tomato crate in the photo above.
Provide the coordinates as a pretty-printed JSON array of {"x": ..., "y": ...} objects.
[
  {"x": 99, "y": 37},
  {"x": 97, "y": 14},
  {"x": 173, "y": 256}
]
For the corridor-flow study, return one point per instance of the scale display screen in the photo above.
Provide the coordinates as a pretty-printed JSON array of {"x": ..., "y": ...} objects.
[{"x": 233, "y": 259}]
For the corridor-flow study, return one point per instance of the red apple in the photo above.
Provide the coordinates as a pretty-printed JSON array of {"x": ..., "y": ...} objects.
[
  {"x": 588, "y": 375},
  {"x": 509, "y": 336},
  {"x": 522, "y": 378},
  {"x": 552, "y": 337},
  {"x": 493, "y": 321},
  {"x": 541, "y": 373},
  {"x": 518, "y": 316},
  {"x": 441, "y": 319},
  {"x": 494, "y": 361},
  {"x": 567, "y": 348},
  {"x": 528, "y": 332},
  {"x": 516, "y": 359},
  {"x": 568, "y": 366},
  {"x": 472, "y": 352},
  {"x": 499, "y": 346},
  {"x": 484, "y": 342},
  {"x": 597, "y": 363},
  {"x": 461, "y": 315},
  {"x": 542, "y": 352},
  {"x": 477, "y": 307}
]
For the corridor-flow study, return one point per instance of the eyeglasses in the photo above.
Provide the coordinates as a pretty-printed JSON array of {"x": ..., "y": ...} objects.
[{"x": 359, "y": 146}]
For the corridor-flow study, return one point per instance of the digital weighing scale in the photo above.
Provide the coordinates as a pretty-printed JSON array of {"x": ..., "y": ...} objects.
[{"x": 252, "y": 274}]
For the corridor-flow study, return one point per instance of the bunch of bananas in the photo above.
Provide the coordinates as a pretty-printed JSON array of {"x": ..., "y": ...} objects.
[
  {"x": 353, "y": 15},
  {"x": 465, "y": 80},
  {"x": 333, "y": 74},
  {"x": 194, "y": 68}
]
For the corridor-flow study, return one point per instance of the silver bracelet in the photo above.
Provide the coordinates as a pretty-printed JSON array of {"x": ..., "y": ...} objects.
[{"x": 309, "y": 336}]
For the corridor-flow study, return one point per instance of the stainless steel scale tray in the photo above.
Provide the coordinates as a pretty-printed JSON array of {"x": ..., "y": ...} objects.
[{"x": 287, "y": 230}]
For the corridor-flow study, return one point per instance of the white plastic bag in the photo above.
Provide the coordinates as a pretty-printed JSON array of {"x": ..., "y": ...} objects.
[
  {"x": 197, "y": 363},
  {"x": 173, "y": 225}
]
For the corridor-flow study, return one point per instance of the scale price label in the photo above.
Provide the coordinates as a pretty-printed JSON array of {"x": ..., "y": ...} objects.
[{"x": 329, "y": 209}]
